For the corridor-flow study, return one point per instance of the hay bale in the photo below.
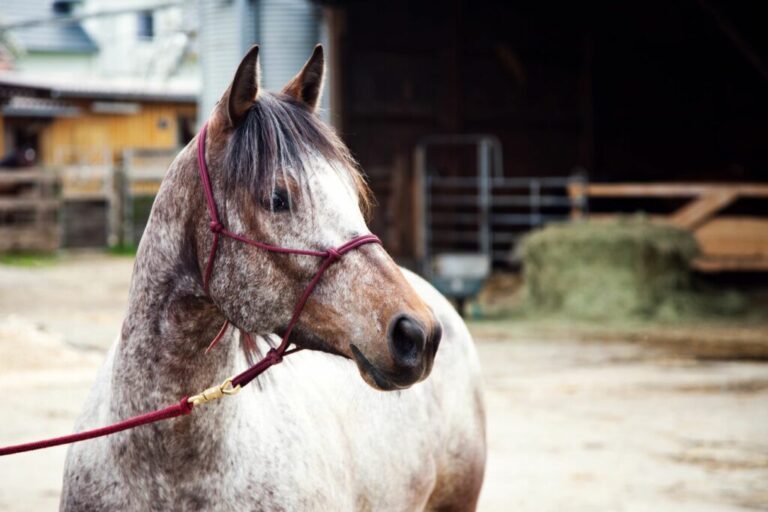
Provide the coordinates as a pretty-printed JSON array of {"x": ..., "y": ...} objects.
[{"x": 618, "y": 269}]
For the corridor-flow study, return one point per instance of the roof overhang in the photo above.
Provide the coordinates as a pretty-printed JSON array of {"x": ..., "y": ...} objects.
[
  {"x": 21, "y": 106},
  {"x": 14, "y": 83}
]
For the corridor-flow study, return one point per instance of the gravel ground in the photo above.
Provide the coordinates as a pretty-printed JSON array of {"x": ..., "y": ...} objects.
[{"x": 572, "y": 424}]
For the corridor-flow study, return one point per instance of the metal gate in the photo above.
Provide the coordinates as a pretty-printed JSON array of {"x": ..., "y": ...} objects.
[{"x": 478, "y": 210}]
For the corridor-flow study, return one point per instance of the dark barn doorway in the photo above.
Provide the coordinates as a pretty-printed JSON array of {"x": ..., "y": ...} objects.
[{"x": 647, "y": 91}]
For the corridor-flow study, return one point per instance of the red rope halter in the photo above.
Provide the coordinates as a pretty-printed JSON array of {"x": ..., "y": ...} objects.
[
  {"x": 230, "y": 386},
  {"x": 329, "y": 256}
]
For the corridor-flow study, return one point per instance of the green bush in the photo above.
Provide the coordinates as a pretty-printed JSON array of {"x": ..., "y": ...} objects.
[{"x": 627, "y": 268}]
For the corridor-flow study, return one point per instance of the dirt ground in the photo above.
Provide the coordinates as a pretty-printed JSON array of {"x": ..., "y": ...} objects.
[{"x": 573, "y": 424}]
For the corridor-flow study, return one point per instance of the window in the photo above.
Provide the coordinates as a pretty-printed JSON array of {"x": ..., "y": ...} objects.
[
  {"x": 146, "y": 25},
  {"x": 185, "y": 126},
  {"x": 62, "y": 7}
]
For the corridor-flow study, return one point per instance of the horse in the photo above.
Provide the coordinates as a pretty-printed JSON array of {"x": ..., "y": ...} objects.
[{"x": 369, "y": 416}]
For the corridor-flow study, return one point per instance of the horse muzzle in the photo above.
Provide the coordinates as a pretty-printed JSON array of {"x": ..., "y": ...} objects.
[{"x": 412, "y": 348}]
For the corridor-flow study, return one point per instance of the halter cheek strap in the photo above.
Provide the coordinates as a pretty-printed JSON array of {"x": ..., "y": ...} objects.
[{"x": 234, "y": 384}]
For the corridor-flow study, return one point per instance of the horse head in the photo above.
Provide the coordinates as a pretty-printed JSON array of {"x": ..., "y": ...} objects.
[{"x": 282, "y": 177}]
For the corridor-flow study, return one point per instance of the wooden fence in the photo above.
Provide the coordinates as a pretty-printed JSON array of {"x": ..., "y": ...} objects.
[
  {"x": 82, "y": 204},
  {"x": 141, "y": 173},
  {"x": 28, "y": 210},
  {"x": 727, "y": 241}
]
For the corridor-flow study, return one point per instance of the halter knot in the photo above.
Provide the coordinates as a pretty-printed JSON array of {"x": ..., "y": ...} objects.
[
  {"x": 273, "y": 356},
  {"x": 333, "y": 254},
  {"x": 216, "y": 226}
]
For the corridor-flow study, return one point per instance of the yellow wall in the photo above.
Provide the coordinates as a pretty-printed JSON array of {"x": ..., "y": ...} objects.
[{"x": 88, "y": 137}]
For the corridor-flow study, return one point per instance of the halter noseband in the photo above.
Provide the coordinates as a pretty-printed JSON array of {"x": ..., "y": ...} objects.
[{"x": 329, "y": 257}]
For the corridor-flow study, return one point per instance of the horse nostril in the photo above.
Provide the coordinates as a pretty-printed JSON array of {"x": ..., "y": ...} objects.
[{"x": 406, "y": 341}]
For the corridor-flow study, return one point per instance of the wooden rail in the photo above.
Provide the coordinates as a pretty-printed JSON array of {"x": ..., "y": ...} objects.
[
  {"x": 14, "y": 177},
  {"x": 667, "y": 189},
  {"x": 728, "y": 242}
]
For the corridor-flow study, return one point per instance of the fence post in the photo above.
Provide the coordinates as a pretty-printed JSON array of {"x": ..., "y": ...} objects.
[
  {"x": 577, "y": 192},
  {"x": 484, "y": 196},
  {"x": 127, "y": 236},
  {"x": 114, "y": 237},
  {"x": 421, "y": 211}
]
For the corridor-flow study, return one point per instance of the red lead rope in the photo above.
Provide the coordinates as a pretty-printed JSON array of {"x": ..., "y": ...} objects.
[{"x": 233, "y": 385}]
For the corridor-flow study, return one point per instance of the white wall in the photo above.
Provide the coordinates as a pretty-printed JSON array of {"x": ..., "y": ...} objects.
[
  {"x": 52, "y": 64},
  {"x": 124, "y": 54}
]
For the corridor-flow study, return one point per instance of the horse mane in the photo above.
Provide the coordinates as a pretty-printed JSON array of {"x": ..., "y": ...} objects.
[{"x": 278, "y": 140}]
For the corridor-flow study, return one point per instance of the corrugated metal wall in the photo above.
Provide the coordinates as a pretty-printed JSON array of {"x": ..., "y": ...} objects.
[
  {"x": 287, "y": 31},
  {"x": 227, "y": 28}
]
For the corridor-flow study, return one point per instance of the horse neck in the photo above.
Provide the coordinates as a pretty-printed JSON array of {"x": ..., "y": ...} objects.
[{"x": 161, "y": 354}]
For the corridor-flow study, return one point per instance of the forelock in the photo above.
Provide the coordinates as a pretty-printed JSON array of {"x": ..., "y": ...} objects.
[{"x": 278, "y": 140}]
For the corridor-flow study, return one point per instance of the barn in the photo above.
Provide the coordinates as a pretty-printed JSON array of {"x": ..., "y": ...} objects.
[{"x": 537, "y": 97}]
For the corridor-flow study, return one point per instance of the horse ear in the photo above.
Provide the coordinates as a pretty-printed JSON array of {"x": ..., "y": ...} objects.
[
  {"x": 307, "y": 86},
  {"x": 241, "y": 94}
]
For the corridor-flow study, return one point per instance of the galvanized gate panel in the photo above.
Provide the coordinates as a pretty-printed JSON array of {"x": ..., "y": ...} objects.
[{"x": 479, "y": 210}]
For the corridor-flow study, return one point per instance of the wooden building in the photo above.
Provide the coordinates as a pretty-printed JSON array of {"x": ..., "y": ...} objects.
[
  {"x": 86, "y": 137},
  {"x": 92, "y": 123}
]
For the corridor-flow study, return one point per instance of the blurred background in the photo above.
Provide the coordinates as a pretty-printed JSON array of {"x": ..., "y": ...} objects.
[{"x": 587, "y": 181}]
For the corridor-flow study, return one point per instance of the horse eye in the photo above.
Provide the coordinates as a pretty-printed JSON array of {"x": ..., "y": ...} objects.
[{"x": 279, "y": 201}]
